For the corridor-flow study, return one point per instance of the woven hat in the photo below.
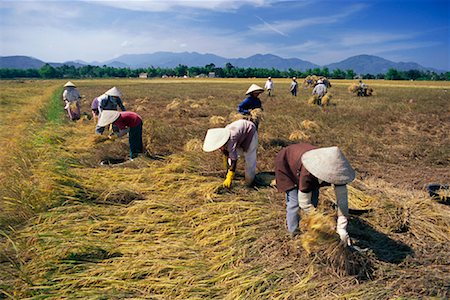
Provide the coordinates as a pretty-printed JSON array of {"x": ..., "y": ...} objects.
[
  {"x": 254, "y": 88},
  {"x": 320, "y": 81},
  {"x": 329, "y": 164},
  {"x": 107, "y": 117},
  {"x": 216, "y": 138},
  {"x": 69, "y": 84},
  {"x": 113, "y": 92}
]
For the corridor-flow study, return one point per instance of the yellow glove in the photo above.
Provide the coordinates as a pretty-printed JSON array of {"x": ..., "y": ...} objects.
[
  {"x": 225, "y": 162},
  {"x": 227, "y": 182}
]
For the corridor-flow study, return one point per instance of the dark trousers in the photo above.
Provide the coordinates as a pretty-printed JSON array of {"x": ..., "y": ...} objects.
[{"x": 135, "y": 140}]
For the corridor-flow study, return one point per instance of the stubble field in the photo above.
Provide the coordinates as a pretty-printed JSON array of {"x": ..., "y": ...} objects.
[{"x": 161, "y": 227}]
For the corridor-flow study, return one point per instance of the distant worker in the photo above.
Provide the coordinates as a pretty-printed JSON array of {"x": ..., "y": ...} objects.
[
  {"x": 269, "y": 86},
  {"x": 362, "y": 89},
  {"x": 110, "y": 100},
  {"x": 301, "y": 170},
  {"x": 95, "y": 109},
  {"x": 252, "y": 101},
  {"x": 126, "y": 121},
  {"x": 72, "y": 99},
  {"x": 319, "y": 91},
  {"x": 237, "y": 138},
  {"x": 294, "y": 86}
]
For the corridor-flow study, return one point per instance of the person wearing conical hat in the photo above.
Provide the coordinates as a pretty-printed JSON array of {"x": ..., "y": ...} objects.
[
  {"x": 269, "y": 86},
  {"x": 301, "y": 170},
  {"x": 294, "y": 86},
  {"x": 72, "y": 99},
  {"x": 125, "y": 121},
  {"x": 252, "y": 101},
  {"x": 110, "y": 100},
  {"x": 319, "y": 90},
  {"x": 239, "y": 138}
]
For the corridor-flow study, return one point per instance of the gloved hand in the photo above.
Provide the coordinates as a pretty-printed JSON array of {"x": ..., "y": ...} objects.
[
  {"x": 304, "y": 201},
  {"x": 227, "y": 182},
  {"x": 225, "y": 162},
  {"x": 341, "y": 229}
]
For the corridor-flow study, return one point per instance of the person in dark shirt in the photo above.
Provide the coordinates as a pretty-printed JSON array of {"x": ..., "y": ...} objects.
[
  {"x": 252, "y": 101},
  {"x": 125, "y": 121},
  {"x": 301, "y": 170}
]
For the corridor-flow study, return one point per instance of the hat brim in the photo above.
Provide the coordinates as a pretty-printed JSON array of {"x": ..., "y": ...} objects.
[
  {"x": 107, "y": 117},
  {"x": 329, "y": 164},
  {"x": 216, "y": 138}
]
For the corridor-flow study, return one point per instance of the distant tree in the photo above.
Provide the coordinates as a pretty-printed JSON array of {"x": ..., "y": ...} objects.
[
  {"x": 349, "y": 74},
  {"x": 47, "y": 71},
  {"x": 338, "y": 74},
  {"x": 392, "y": 74}
]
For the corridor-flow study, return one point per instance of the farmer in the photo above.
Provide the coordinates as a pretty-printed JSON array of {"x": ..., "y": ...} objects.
[
  {"x": 252, "y": 101},
  {"x": 72, "y": 98},
  {"x": 269, "y": 86},
  {"x": 301, "y": 169},
  {"x": 110, "y": 100},
  {"x": 237, "y": 138},
  {"x": 362, "y": 89},
  {"x": 125, "y": 121},
  {"x": 319, "y": 90},
  {"x": 294, "y": 86}
]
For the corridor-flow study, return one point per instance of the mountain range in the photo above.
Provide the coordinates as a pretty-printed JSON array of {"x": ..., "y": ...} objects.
[{"x": 360, "y": 64}]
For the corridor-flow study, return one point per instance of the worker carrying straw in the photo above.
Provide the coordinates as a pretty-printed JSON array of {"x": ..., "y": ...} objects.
[
  {"x": 126, "y": 121},
  {"x": 252, "y": 101},
  {"x": 237, "y": 138},
  {"x": 72, "y": 99},
  {"x": 319, "y": 91},
  {"x": 301, "y": 170}
]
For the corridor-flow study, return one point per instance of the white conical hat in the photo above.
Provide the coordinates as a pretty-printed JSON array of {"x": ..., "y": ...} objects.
[
  {"x": 254, "y": 88},
  {"x": 107, "y": 117},
  {"x": 113, "y": 92},
  {"x": 69, "y": 83},
  {"x": 329, "y": 164},
  {"x": 216, "y": 138}
]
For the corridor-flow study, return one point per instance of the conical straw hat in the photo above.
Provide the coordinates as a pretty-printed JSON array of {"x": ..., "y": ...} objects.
[
  {"x": 329, "y": 164},
  {"x": 216, "y": 138},
  {"x": 254, "y": 88},
  {"x": 113, "y": 92},
  {"x": 107, "y": 117},
  {"x": 69, "y": 83}
]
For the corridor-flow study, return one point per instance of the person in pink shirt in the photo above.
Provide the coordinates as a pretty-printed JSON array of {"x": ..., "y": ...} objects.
[{"x": 125, "y": 120}]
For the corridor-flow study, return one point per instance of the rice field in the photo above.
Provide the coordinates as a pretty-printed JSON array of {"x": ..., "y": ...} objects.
[{"x": 162, "y": 227}]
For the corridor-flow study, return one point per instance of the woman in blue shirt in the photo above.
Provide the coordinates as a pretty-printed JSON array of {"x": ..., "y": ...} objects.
[{"x": 252, "y": 101}]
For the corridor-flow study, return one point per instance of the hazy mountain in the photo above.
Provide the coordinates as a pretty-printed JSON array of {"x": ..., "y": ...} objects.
[
  {"x": 361, "y": 64},
  {"x": 20, "y": 62},
  {"x": 369, "y": 64}
]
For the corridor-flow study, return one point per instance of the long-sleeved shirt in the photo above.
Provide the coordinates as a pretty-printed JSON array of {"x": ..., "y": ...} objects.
[
  {"x": 248, "y": 104},
  {"x": 319, "y": 90},
  {"x": 293, "y": 86},
  {"x": 71, "y": 94},
  {"x": 268, "y": 85},
  {"x": 241, "y": 136},
  {"x": 128, "y": 119},
  {"x": 290, "y": 173}
]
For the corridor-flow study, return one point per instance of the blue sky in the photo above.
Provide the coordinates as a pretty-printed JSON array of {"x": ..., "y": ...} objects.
[{"x": 321, "y": 32}]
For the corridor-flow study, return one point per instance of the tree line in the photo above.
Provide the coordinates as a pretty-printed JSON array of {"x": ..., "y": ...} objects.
[{"x": 229, "y": 71}]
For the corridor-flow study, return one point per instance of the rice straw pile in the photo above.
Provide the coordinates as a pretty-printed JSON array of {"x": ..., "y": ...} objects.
[
  {"x": 310, "y": 125},
  {"x": 217, "y": 120},
  {"x": 298, "y": 135},
  {"x": 326, "y": 99}
]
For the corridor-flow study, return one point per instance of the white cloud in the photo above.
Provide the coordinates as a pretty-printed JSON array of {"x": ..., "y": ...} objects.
[{"x": 166, "y": 5}]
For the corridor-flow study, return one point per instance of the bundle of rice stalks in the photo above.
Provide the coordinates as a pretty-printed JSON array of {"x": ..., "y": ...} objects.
[
  {"x": 326, "y": 100},
  {"x": 310, "y": 125},
  {"x": 174, "y": 105},
  {"x": 217, "y": 120},
  {"x": 359, "y": 200},
  {"x": 310, "y": 81},
  {"x": 195, "y": 105},
  {"x": 369, "y": 91},
  {"x": 353, "y": 88},
  {"x": 140, "y": 108},
  {"x": 319, "y": 238},
  {"x": 193, "y": 145},
  {"x": 298, "y": 135},
  {"x": 256, "y": 115},
  {"x": 314, "y": 99},
  {"x": 233, "y": 116}
]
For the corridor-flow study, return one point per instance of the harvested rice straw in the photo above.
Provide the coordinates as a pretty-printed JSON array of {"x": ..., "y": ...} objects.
[
  {"x": 310, "y": 125},
  {"x": 358, "y": 199},
  {"x": 256, "y": 115},
  {"x": 326, "y": 100},
  {"x": 174, "y": 105},
  {"x": 193, "y": 145},
  {"x": 217, "y": 120},
  {"x": 369, "y": 91},
  {"x": 353, "y": 88},
  {"x": 298, "y": 135},
  {"x": 194, "y": 105},
  {"x": 319, "y": 231},
  {"x": 313, "y": 99}
]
